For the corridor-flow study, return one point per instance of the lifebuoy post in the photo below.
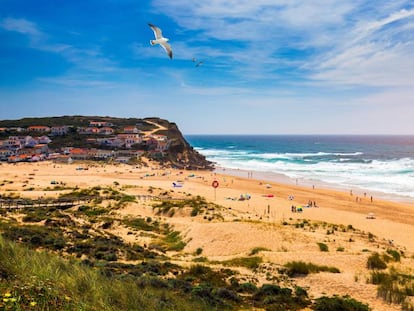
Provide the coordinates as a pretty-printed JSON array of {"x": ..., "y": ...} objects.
[{"x": 215, "y": 185}]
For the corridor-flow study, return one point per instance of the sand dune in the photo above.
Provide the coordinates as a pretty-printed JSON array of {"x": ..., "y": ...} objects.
[{"x": 265, "y": 220}]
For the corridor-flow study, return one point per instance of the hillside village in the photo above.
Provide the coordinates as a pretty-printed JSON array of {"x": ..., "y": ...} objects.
[{"x": 108, "y": 141}]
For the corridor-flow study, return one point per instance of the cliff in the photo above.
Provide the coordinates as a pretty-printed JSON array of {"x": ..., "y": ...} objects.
[{"x": 179, "y": 154}]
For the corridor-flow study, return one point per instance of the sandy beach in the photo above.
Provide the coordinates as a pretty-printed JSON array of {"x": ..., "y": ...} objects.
[{"x": 260, "y": 220}]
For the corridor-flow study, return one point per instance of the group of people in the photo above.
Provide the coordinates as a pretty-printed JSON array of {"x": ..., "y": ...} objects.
[{"x": 295, "y": 209}]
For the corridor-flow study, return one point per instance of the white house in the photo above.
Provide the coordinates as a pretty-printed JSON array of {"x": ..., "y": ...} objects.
[
  {"x": 104, "y": 154},
  {"x": 59, "y": 130},
  {"x": 106, "y": 130},
  {"x": 44, "y": 140}
]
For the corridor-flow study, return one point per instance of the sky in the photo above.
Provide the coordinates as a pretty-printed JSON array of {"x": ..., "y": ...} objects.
[{"x": 268, "y": 66}]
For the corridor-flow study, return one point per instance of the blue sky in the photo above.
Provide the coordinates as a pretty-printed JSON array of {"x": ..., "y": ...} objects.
[{"x": 269, "y": 66}]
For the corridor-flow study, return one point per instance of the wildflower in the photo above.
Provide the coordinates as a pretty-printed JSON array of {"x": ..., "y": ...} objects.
[
  {"x": 5, "y": 299},
  {"x": 33, "y": 303},
  {"x": 7, "y": 295},
  {"x": 13, "y": 299},
  {"x": 67, "y": 298}
]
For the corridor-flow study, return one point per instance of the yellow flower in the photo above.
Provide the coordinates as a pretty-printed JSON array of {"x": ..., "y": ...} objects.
[
  {"x": 5, "y": 299},
  {"x": 13, "y": 299},
  {"x": 7, "y": 295},
  {"x": 33, "y": 303},
  {"x": 68, "y": 298}
]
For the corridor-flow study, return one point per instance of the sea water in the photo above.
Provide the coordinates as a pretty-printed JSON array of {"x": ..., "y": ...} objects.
[{"x": 374, "y": 164}]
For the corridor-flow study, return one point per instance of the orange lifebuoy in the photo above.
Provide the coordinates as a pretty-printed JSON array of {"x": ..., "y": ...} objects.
[{"x": 215, "y": 184}]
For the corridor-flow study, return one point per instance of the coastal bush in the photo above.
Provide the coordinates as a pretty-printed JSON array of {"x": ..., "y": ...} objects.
[
  {"x": 173, "y": 242},
  {"x": 140, "y": 224},
  {"x": 256, "y": 250},
  {"x": 336, "y": 303},
  {"x": 395, "y": 254},
  {"x": 248, "y": 262},
  {"x": 36, "y": 236},
  {"x": 274, "y": 297},
  {"x": 323, "y": 247},
  {"x": 91, "y": 211},
  {"x": 247, "y": 288},
  {"x": 200, "y": 274},
  {"x": 393, "y": 286},
  {"x": 295, "y": 268},
  {"x": 375, "y": 262}
]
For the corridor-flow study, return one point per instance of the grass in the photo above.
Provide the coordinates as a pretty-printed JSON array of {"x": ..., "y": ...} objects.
[
  {"x": 375, "y": 262},
  {"x": 248, "y": 262},
  {"x": 141, "y": 224},
  {"x": 40, "y": 281},
  {"x": 173, "y": 241},
  {"x": 295, "y": 268},
  {"x": 394, "y": 287},
  {"x": 197, "y": 204}
]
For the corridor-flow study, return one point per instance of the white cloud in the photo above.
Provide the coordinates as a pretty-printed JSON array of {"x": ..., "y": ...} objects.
[
  {"x": 356, "y": 43},
  {"x": 21, "y": 25}
]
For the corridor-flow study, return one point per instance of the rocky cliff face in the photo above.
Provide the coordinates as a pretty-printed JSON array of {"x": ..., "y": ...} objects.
[{"x": 180, "y": 154}]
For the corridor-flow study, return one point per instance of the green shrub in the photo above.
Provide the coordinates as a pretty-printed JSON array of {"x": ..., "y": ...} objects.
[
  {"x": 375, "y": 262},
  {"x": 339, "y": 303},
  {"x": 247, "y": 288},
  {"x": 140, "y": 224},
  {"x": 395, "y": 254},
  {"x": 256, "y": 250},
  {"x": 323, "y": 247},
  {"x": 393, "y": 287},
  {"x": 295, "y": 268},
  {"x": 248, "y": 262},
  {"x": 274, "y": 297}
]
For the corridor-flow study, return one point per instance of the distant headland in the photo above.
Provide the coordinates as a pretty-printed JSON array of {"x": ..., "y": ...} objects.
[{"x": 71, "y": 138}]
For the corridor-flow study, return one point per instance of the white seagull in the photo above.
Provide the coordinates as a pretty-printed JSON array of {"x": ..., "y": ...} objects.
[{"x": 159, "y": 39}]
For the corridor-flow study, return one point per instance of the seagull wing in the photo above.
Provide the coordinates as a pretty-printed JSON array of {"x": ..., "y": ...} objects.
[
  {"x": 157, "y": 31},
  {"x": 167, "y": 48}
]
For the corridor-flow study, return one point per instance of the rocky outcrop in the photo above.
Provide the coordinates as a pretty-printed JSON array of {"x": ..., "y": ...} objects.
[{"x": 180, "y": 153}]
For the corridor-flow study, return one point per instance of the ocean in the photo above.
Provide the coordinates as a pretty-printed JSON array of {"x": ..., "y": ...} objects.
[{"x": 383, "y": 165}]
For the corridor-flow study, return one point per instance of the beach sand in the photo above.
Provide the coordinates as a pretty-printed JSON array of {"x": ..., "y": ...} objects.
[{"x": 265, "y": 220}]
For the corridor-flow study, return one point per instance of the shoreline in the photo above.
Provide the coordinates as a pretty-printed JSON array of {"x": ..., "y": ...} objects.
[{"x": 309, "y": 183}]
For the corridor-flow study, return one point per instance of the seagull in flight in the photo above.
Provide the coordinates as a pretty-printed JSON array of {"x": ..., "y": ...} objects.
[
  {"x": 198, "y": 63},
  {"x": 159, "y": 39}
]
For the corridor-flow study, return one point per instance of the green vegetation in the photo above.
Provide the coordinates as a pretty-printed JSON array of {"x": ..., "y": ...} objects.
[
  {"x": 95, "y": 263},
  {"x": 323, "y": 247},
  {"x": 295, "y": 268},
  {"x": 336, "y": 303},
  {"x": 375, "y": 262},
  {"x": 256, "y": 250},
  {"x": 248, "y": 262},
  {"x": 41, "y": 281},
  {"x": 395, "y": 287},
  {"x": 394, "y": 254},
  {"x": 274, "y": 297},
  {"x": 197, "y": 204},
  {"x": 141, "y": 224},
  {"x": 173, "y": 241}
]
